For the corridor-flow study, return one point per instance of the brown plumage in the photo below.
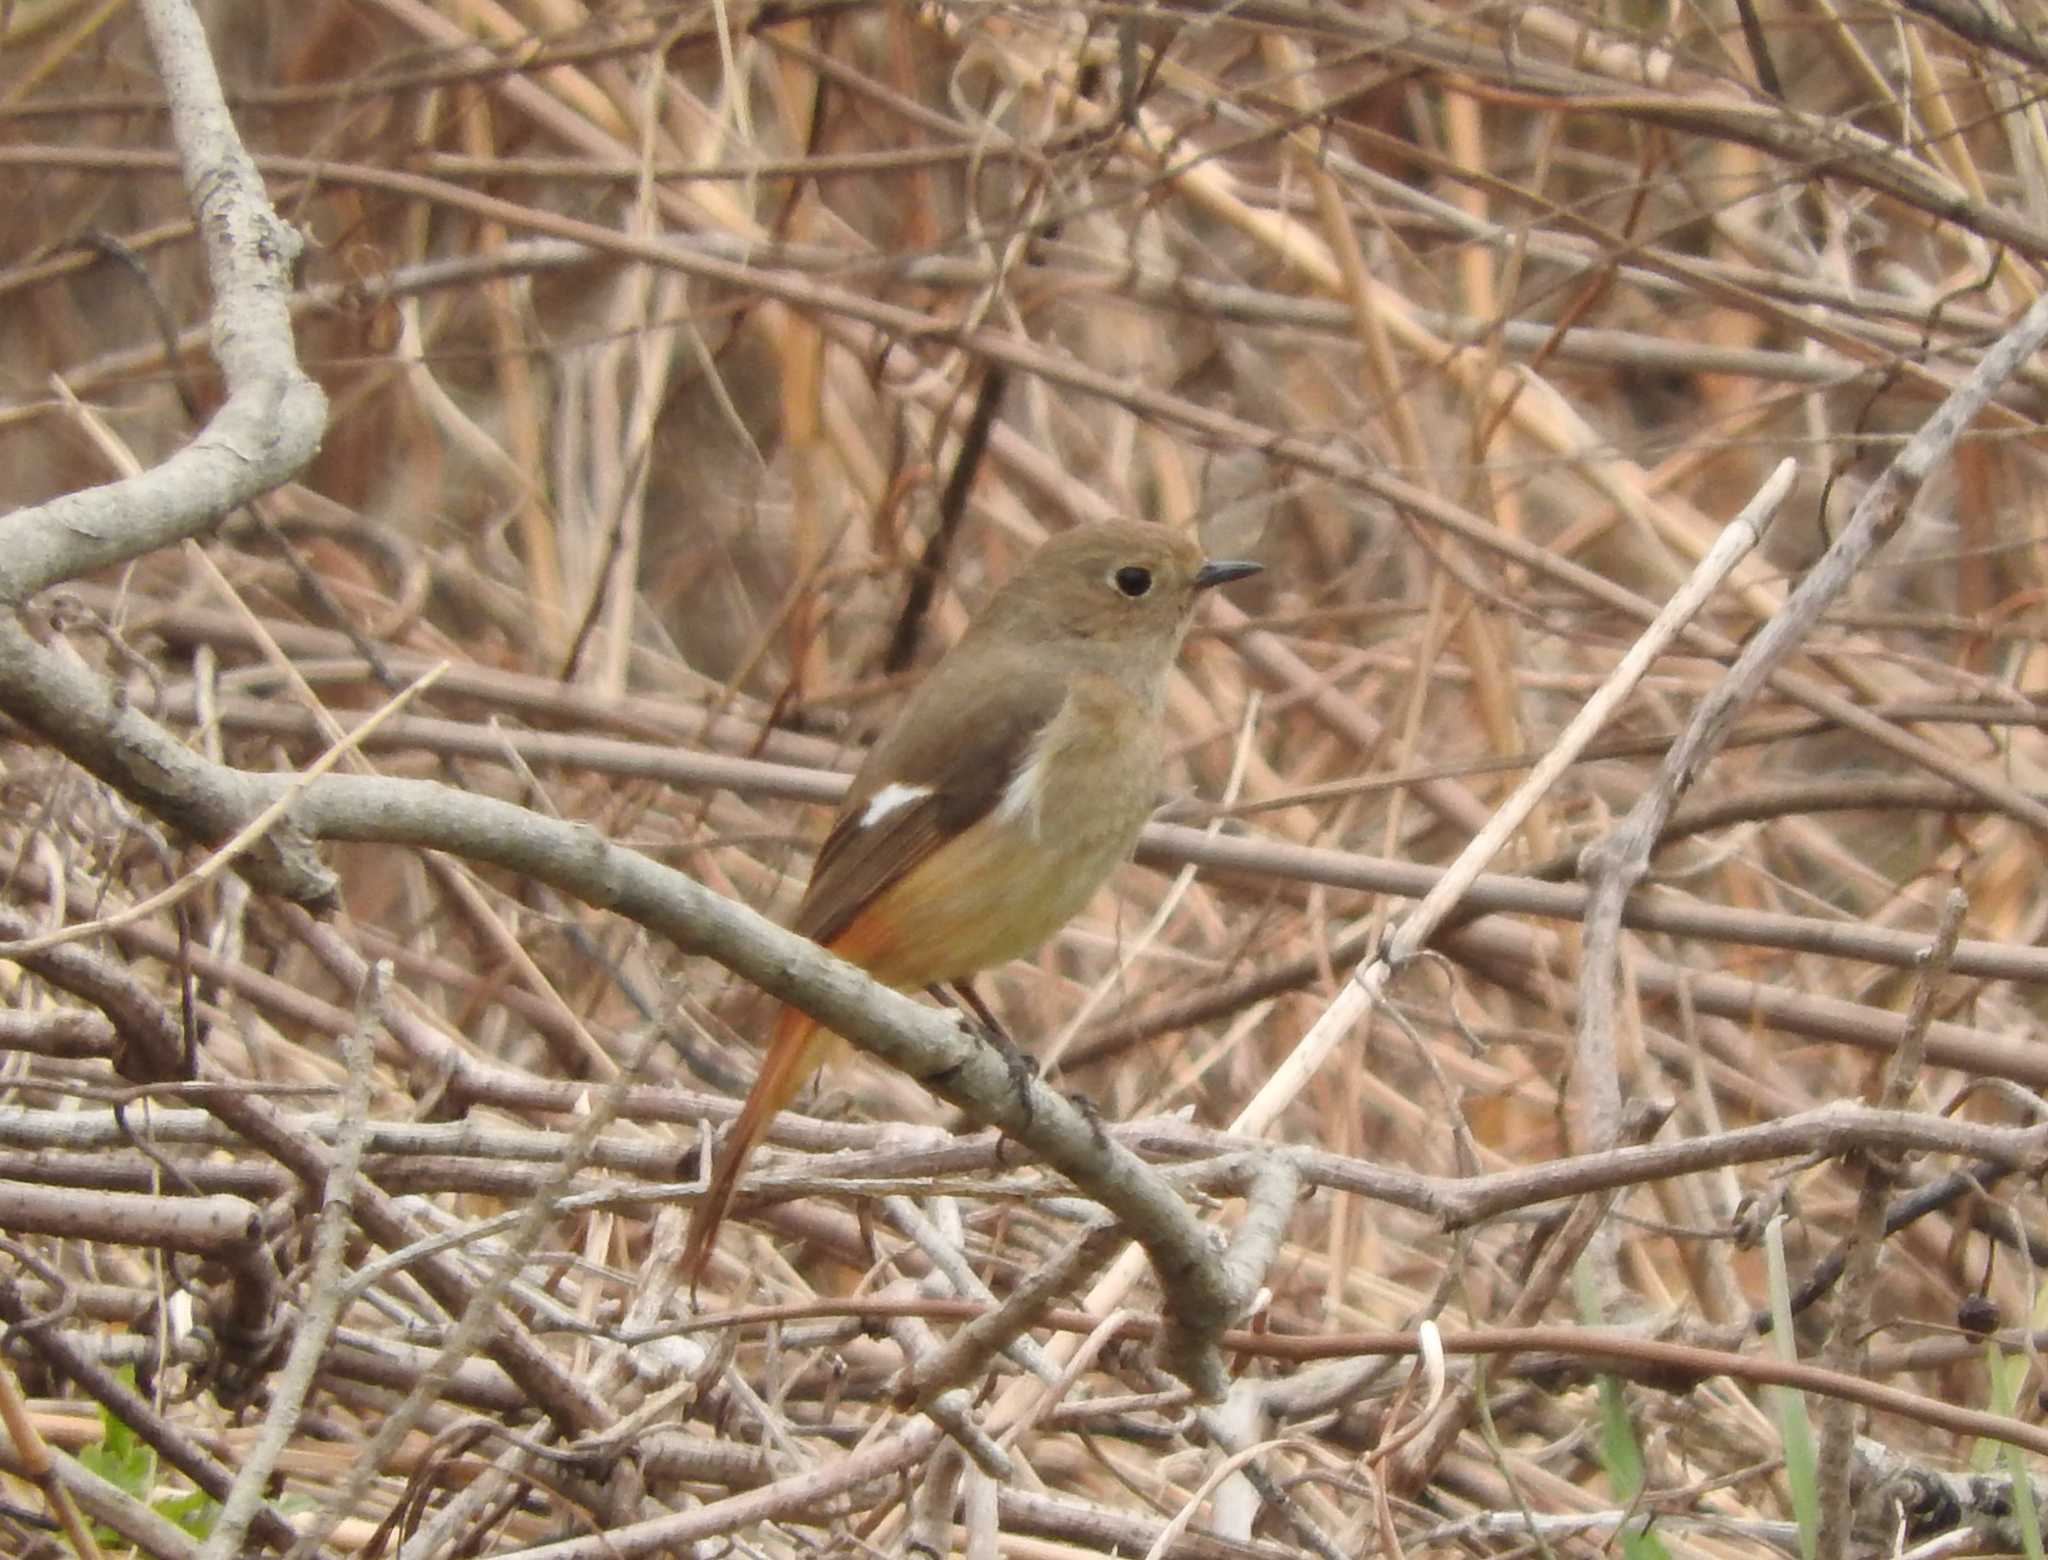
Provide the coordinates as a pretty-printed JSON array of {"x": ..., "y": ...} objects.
[{"x": 1015, "y": 779}]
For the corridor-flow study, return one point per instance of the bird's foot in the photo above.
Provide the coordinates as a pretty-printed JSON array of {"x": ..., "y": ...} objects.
[
  {"x": 1023, "y": 1068},
  {"x": 1090, "y": 1114}
]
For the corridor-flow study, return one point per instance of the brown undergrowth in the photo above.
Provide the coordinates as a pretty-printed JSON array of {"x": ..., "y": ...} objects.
[{"x": 693, "y": 374}]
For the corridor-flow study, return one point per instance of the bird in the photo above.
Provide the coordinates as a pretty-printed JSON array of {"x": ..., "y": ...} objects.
[{"x": 1013, "y": 781}]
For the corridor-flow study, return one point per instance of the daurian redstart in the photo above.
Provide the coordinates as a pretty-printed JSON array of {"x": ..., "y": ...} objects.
[{"x": 1015, "y": 779}]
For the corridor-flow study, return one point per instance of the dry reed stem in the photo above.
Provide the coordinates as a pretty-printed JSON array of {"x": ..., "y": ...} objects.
[{"x": 653, "y": 342}]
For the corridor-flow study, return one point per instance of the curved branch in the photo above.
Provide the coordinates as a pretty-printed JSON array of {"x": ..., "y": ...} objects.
[
  {"x": 274, "y": 415},
  {"x": 953, "y": 1062},
  {"x": 78, "y": 713}
]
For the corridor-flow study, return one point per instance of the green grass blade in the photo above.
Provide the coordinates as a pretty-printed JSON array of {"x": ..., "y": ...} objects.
[{"x": 1795, "y": 1429}]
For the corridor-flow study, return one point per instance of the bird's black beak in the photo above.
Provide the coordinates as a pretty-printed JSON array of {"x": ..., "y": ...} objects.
[{"x": 1210, "y": 575}]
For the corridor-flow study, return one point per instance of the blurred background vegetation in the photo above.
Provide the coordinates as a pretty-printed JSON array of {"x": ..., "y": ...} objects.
[{"x": 695, "y": 370}]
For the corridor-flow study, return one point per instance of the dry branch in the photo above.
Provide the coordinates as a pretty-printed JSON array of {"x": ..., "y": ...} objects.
[{"x": 669, "y": 378}]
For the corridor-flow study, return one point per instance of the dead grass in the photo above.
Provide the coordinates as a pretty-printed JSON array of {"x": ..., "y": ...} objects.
[{"x": 651, "y": 339}]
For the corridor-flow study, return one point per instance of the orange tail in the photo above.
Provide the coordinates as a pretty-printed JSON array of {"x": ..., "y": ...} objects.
[{"x": 799, "y": 1050}]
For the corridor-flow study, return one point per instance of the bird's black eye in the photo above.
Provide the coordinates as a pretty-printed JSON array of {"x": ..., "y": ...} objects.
[{"x": 1132, "y": 580}]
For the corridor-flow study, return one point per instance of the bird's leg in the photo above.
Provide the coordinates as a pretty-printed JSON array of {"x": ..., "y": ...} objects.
[
  {"x": 1022, "y": 1068},
  {"x": 991, "y": 1026}
]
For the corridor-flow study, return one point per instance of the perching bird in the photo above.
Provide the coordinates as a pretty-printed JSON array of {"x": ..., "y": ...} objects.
[{"x": 1015, "y": 779}]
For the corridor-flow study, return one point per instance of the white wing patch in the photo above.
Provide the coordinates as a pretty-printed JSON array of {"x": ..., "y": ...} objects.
[
  {"x": 1021, "y": 797},
  {"x": 892, "y": 798}
]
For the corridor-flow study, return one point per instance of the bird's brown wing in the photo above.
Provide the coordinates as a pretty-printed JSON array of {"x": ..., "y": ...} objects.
[{"x": 960, "y": 768}]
